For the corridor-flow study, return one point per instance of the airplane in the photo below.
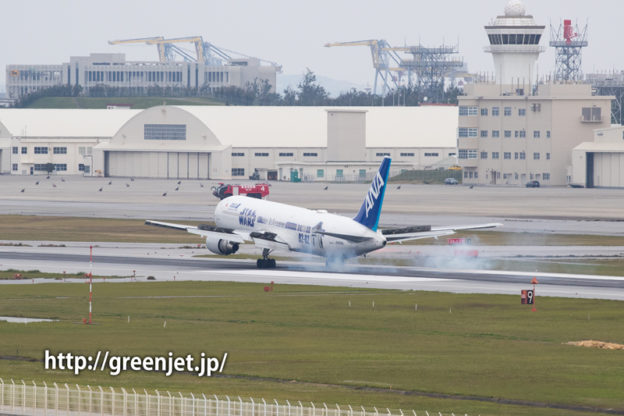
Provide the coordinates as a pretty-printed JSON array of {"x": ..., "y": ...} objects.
[{"x": 273, "y": 226}]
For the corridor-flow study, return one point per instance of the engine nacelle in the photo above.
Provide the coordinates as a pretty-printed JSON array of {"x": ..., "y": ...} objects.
[{"x": 220, "y": 246}]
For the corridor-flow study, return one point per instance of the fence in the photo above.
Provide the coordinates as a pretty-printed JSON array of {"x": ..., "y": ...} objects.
[{"x": 19, "y": 398}]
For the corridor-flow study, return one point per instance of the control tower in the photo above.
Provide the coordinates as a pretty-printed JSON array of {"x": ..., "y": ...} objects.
[{"x": 514, "y": 45}]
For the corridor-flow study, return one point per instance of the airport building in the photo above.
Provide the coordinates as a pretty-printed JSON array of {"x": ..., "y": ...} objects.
[
  {"x": 517, "y": 129},
  {"x": 112, "y": 70},
  {"x": 600, "y": 163},
  {"x": 225, "y": 142}
]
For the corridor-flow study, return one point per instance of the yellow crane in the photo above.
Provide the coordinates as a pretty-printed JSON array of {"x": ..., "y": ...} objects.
[
  {"x": 205, "y": 52},
  {"x": 161, "y": 47},
  {"x": 198, "y": 41}
]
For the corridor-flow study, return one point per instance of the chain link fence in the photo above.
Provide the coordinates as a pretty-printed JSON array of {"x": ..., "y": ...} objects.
[{"x": 21, "y": 398}]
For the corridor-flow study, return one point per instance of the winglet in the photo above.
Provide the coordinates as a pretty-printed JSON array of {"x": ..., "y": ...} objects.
[{"x": 371, "y": 207}]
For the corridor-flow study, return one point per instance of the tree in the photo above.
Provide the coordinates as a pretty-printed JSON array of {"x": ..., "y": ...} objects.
[{"x": 311, "y": 93}]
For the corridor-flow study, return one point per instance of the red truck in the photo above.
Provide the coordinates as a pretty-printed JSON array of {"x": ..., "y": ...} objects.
[{"x": 259, "y": 190}]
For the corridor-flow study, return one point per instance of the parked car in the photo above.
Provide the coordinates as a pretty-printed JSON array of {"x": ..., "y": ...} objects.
[
  {"x": 450, "y": 181},
  {"x": 533, "y": 184}
]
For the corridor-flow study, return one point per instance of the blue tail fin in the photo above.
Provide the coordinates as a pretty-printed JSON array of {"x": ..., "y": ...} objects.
[{"x": 371, "y": 208}]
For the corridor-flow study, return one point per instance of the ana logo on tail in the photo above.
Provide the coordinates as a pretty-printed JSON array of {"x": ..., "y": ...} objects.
[
  {"x": 368, "y": 215},
  {"x": 373, "y": 192}
]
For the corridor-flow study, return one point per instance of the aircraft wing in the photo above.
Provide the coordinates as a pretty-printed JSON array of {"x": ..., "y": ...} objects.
[
  {"x": 397, "y": 235},
  {"x": 204, "y": 231},
  {"x": 268, "y": 240}
]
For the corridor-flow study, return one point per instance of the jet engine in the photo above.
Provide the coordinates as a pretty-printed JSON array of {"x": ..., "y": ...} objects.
[{"x": 220, "y": 246}]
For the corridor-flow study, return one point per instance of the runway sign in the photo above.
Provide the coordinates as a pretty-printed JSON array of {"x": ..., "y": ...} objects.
[{"x": 527, "y": 297}]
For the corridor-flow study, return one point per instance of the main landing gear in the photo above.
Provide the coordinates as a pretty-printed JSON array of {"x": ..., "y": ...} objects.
[{"x": 265, "y": 262}]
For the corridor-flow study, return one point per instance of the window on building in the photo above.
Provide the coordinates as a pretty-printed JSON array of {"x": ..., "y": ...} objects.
[
  {"x": 465, "y": 110},
  {"x": 522, "y": 156},
  {"x": 238, "y": 154},
  {"x": 432, "y": 154},
  {"x": 536, "y": 134},
  {"x": 476, "y": 174},
  {"x": 467, "y": 153},
  {"x": 14, "y": 166},
  {"x": 548, "y": 134},
  {"x": 483, "y": 155},
  {"x": 467, "y": 132},
  {"x": 286, "y": 154},
  {"x": 484, "y": 111},
  {"x": 496, "y": 133},
  {"x": 547, "y": 156},
  {"x": 484, "y": 133},
  {"x": 407, "y": 154},
  {"x": 507, "y": 133},
  {"x": 507, "y": 111},
  {"x": 310, "y": 154},
  {"x": 536, "y": 156},
  {"x": 40, "y": 167},
  {"x": 546, "y": 176},
  {"x": 164, "y": 131},
  {"x": 261, "y": 154},
  {"x": 591, "y": 114},
  {"x": 507, "y": 155},
  {"x": 522, "y": 134},
  {"x": 15, "y": 150},
  {"x": 60, "y": 150},
  {"x": 238, "y": 172},
  {"x": 81, "y": 167},
  {"x": 522, "y": 112},
  {"x": 516, "y": 133},
  {"x": 382, "y": 154},
  {"x": 24, "y": 150},
  {"x": 60, "y": 167},
  {"x": 516, "y": 155},
  {"x": 495, "y": 111},
  {"x": 339, "y": 173},
  {"x": 452, "y": 154},
  {"x": 320, "y": 173},
  {"x": 40, "y": 150},
  {"x": 495, "y": 155}
]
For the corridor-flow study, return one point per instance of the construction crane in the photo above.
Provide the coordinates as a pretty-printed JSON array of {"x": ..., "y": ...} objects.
[
  {"x": 161, "y": 47},
  {"x": 430, "y": 66},
  {"x": 205, "y": 52},
  {"x": 383, "y": 58}
]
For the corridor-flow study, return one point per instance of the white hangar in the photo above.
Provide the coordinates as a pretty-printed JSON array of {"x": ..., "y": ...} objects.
[{"x": 223, "y": 142}]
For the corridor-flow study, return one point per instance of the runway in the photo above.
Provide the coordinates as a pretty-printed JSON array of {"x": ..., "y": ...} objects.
[{"x": 180, "y": 265}]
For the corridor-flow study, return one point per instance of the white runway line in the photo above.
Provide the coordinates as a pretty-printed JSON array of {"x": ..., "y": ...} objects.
[{"x": 327, "y": 276}]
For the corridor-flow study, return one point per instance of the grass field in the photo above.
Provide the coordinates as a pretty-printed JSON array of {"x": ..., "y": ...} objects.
[
  {"x": 133, "y": 102},
  {"x": 37, "y": 274},
  {"x": 28, "y": 227},
  {"x": 306, "y": 343}
]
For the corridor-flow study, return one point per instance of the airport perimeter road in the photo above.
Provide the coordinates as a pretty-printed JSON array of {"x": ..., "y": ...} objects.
[
  {"x": 180, "y": 267},
  {"x": 557, "y": 209}
]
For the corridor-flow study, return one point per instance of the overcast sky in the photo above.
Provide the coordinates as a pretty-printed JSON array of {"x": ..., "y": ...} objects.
[{"x": 292, "y": 32}]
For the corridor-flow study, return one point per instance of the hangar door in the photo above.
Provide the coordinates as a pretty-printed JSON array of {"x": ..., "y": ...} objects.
[
  {"x": 171, "y": 165},
  {"x": 609, "y": 169}
]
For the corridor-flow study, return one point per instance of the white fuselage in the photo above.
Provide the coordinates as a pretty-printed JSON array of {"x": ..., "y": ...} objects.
[{"x": 302, "y": 229}]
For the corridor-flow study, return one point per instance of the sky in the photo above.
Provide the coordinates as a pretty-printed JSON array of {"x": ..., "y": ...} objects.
[{"x": 292, "y": 32}]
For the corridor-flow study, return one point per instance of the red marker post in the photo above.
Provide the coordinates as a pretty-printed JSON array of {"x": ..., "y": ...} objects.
[{"x": 534, "y": 282}]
